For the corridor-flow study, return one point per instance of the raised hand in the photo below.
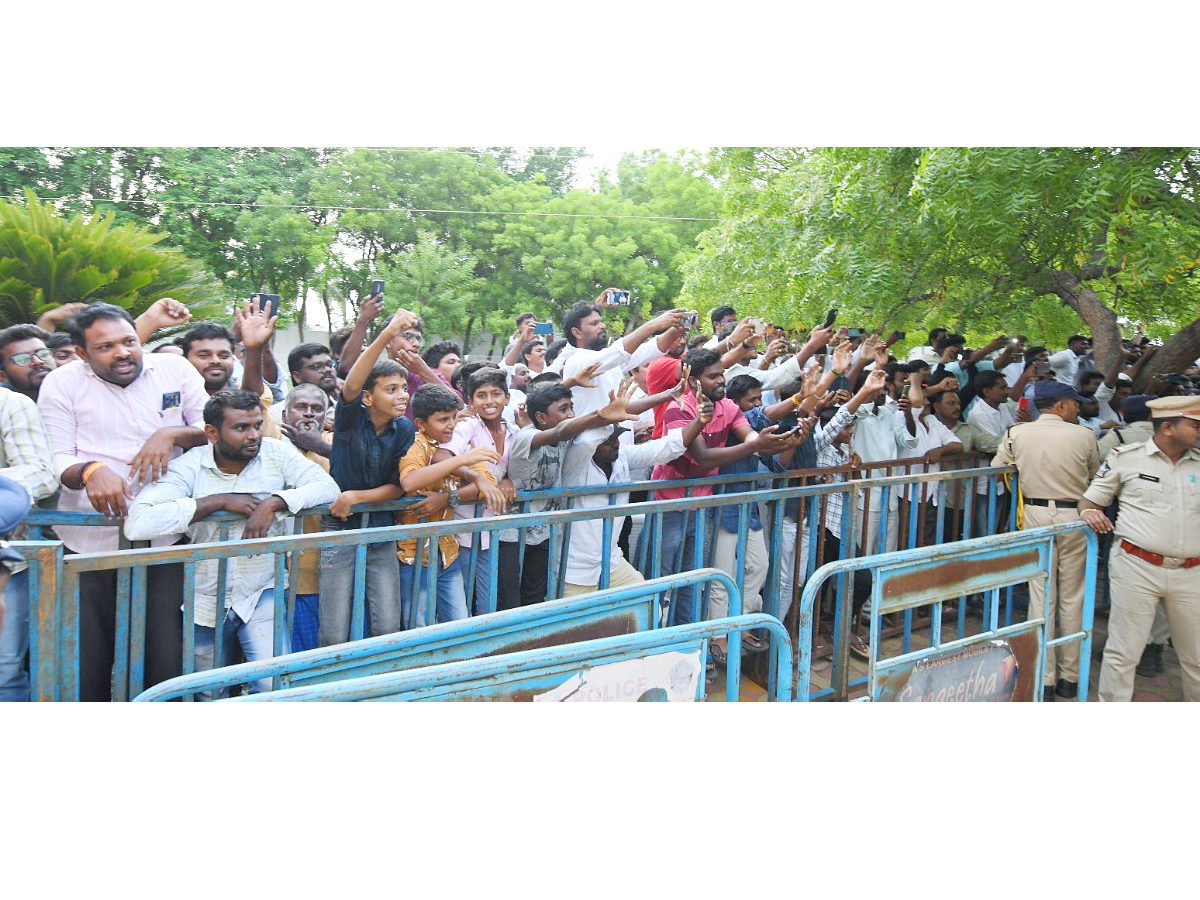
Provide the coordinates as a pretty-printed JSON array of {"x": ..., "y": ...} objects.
[
  {"x": 400, "y": 321},
  {"x": 585, "y": 377},
  {"x": 255, "y": 323},
  {"x": 370, "y": 309},
  {"x": 680, "y": 389},
  {"x": 843, "y": 353},
  {"x": 614, "y": 410}
]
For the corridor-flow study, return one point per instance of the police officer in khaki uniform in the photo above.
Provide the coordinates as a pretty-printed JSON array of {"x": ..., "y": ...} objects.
[
  {"x": 1055, "y": 459},
  {"x": 1139, "y": 430},
  {"x": 1156, "y": 552}
]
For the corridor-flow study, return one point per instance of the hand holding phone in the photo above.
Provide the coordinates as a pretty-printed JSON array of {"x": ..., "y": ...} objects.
[
  {"x": 543, "y": 328},
  {"x": 830, "y": 318},
  {"x": 267, "y": 301}
]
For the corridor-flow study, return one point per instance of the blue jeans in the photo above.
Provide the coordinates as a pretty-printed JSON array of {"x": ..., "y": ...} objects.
[
  {"x": 451, "y": 597},
  {"x": 14, "y": 640},
  {"x": 256, "y": 638},
  {"x": 673, "y": 536},
  {"x": 337, "y": 584},
  {"x": 482, "y": 576},
  {"x": 305, "y": 622}
]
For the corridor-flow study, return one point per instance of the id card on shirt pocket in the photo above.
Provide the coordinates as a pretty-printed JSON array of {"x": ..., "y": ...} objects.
[{"x": 173, "y": 400}]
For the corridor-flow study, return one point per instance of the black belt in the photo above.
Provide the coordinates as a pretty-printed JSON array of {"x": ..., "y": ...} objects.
[{"x": 1033, "y": 501}]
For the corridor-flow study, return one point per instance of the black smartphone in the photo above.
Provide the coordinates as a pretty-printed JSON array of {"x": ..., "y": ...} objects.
[
  {"x": 900, "y": 335},
  {"x": 377, "y": 287},
  {"x": 271, "y": 301},
  {"x": 854, "y": 332},
  {"x": 830, "y": 318}
]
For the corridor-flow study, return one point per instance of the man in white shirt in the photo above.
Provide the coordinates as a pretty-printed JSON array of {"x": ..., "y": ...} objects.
[
  {"x": 881, "y": 432},
  {"x": 597, "y": 457},
  {"x": 1065, "y": 363},
  {"x": 929, "y": 353},
  {"x": 241, "y": 472},
  {"x": 991, "y": 410},
  {"x": 587, "y": 344}
]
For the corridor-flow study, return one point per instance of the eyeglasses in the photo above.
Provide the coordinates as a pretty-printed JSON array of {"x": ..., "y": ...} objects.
[
  {"x": 413, "y": 337},
  {"x": 24, "y": 359},
  {"x": 318, "y": 367}
]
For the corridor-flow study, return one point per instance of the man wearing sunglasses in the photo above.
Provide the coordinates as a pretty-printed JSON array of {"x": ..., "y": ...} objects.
[{"x": 25, "y": 360}]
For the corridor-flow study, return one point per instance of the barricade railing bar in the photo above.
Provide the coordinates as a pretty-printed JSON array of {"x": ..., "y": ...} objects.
[
  {"x": 56, "y": 674},
  {"x": 943, "y": 572},
  {"x": 525, "y": 671},
  {"x": 621, "y": 610}
]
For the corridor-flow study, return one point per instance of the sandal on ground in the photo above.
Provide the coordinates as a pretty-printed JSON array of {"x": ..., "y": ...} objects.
[
  {"x": 718, "y": 652},
  {"x": 859, "y": 647},
  {"x": 753, "y": 643}
]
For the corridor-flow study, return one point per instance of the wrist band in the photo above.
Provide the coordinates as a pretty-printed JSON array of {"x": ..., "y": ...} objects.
[
  {"x": 88, "y": 469},
  {"x": 837, "y": 373},
  {"x": 797, "y": 400}
]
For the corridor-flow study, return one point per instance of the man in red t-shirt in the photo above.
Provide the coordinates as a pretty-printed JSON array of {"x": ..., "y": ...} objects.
[{"x": 703, "y": 457}]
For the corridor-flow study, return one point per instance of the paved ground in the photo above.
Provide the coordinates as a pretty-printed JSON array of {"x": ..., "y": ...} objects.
[{"x": 1165, "y": 687}]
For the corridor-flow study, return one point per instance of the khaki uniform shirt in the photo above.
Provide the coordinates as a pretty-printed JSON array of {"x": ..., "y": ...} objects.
[
  {"x": 1133, "y": 433},
  {"x": 1160, "y": 502},
  {"x": 1054, "y": 459}
]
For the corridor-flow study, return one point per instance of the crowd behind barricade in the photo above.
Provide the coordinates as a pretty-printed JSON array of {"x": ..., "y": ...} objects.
[{"x": 160, "y": 440}]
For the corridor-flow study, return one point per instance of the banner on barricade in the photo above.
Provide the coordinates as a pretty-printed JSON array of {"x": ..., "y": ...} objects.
[
  {"x": 663, "y": 677},
  {"x": 992, "y": 671}
]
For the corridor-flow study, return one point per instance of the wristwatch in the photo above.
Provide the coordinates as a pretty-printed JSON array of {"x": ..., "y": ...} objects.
[{"x": 453, "y": 500}]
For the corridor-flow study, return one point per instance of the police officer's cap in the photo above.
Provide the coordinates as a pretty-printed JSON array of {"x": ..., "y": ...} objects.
[
  {"x": 1134, "y": 407},
  {"x": 1172, "y": 407},
  {"x": 1055, "y": 390},
  {"x": 14, "y": 504}
]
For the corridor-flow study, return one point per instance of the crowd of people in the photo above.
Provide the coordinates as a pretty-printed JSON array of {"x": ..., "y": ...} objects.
[{"x": 158, "y": 440}]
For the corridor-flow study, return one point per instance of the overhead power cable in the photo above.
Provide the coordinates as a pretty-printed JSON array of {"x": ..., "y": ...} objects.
[{"x": 402, "y": 209}]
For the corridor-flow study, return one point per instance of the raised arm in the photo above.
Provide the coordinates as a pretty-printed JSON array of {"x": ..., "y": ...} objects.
[
  {"x": 357, "y": 376},
  {"x": 367, "y": 313}
]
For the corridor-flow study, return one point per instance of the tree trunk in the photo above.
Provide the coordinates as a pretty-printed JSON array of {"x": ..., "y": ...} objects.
[
  {"x": 328, "y": 307},
  {"x": 1101, "y": 321},
  {"x": 1177, "y": 354},
  {"x": 466, "y": 344},
  {"x": 300, "y": 311}
]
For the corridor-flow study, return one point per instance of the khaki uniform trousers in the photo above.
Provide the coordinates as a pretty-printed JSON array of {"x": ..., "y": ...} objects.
[
  {"x": 1070, "y": 554},
  {"x": 1140, "y": 590},
  {"x": 620, "y": 573}
]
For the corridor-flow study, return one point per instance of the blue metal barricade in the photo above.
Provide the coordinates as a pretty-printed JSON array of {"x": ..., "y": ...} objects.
[
  {"x": 55, "y": 640},
  {"x": 905, "y": 580},
  {"x": 565, "y": 672},
  {"x": 623, "y": 610}
]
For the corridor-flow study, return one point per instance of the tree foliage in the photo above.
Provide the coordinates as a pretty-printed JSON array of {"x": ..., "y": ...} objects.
[
  {"x": 1043, "y": 241},
  {"x": 505, "y": 223},
  {"x": 47, "y": 260}
]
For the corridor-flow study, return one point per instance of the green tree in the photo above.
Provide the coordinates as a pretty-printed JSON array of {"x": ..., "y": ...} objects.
[
  {"x": 438, "y": 284},
  {"x": 47, "y": 259},
  {"x": 1034, "y": 240}
]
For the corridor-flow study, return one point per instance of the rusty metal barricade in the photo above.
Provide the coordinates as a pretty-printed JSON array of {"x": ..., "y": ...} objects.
[
  {"x": 614, "y": 611},
  {"x": 570, "y": 671},
  {"x": 905, "y": 580}
]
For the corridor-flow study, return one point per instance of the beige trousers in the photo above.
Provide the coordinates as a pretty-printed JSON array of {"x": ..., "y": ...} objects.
[
  {"x": 1070, "y": 554},
  {"x": 725, "y": 558},
  {"x": 620, "y": 573},
  {"x": 1139, "y": 591}
]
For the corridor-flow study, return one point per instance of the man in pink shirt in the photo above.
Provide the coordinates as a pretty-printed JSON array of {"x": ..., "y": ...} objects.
[
  {"x": 115, "y": 418},
  {"x": 704, "y": 456}
]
